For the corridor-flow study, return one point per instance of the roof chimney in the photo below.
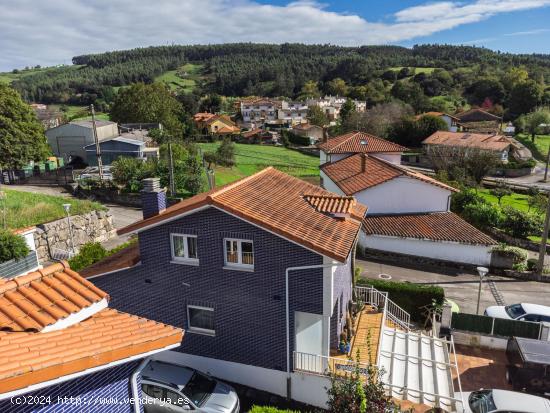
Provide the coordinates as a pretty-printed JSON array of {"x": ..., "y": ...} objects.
[
  {"x": 153, "y": 198},
  {"x": 363, "y": 162}
]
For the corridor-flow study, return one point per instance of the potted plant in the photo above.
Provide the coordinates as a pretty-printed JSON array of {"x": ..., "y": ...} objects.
[
  {"x": 347, "y": 347},
  {"x": 342, "y": 346}
]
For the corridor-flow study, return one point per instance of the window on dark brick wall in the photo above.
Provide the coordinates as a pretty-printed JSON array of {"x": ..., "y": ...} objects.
[
  {"x": 239, "y": 253},
  {"x": 184, "y": 248},
  {"x": 200, "y": 319}
]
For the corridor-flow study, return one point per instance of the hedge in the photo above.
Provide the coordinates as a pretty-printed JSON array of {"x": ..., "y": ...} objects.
[
  {"x": 299, "y": 140},
  {"x": 269, "y": 409},
  {"x": 410, "y": 297}
]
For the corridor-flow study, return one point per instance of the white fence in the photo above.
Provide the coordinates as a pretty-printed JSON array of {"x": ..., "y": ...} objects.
[{"x": 370, "y": 295}]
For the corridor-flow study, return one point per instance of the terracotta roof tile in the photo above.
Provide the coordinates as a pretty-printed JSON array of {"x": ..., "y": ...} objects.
[
  {"x": 107, "y": 336},
  {"x": 275, "y": 201},
  {"x": 331, "y": 204},
  {"x": 31, "y": 302},
  {"x": 41, "y": 298},
  {"x": 359, "y": 142},
  {"x": 435, "y": 226},
  {"x": 469, "y": 140},
  {"x": 349, "y": 176}
]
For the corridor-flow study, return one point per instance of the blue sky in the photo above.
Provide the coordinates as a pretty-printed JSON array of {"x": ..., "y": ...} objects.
[{"x": 52, "y": 32}]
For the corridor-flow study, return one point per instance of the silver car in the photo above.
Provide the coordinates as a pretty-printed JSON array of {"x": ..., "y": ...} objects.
[
  {"x": 503, "y": 401},
  {"x": 172, "y": 388}
]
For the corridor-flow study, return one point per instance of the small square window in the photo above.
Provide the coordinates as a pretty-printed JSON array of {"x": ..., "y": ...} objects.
[
  {"x": 239, "y": 253},
  {"x": 200, "y": 319},
  {"x": 184, "y": 248}
]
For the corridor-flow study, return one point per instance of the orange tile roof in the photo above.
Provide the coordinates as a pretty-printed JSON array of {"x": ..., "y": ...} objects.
[
  {"x": 359, "y": 142},
  {"x": 435, "y": 114},
  {"x": 22, "y": 230},
  {"x": 348, "y": 174},
  {"x": 331, "y": 204},
  {"x": 203, "y": 116},
  {"x": 28, "y": 355},
  {"x": 435, "y": 226},
  {"x": 34, "y": 301},
  {"x": 469, "y": 140},
  {"x": 106, "y": 337},
  {"x": 275, "y": 201}
]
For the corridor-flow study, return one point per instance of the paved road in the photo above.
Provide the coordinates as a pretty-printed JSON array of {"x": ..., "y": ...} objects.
[
  {"x": 122, "y": 216},
  {"x": 462, "y": 286}
]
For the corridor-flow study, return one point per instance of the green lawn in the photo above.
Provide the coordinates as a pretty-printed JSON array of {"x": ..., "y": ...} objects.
[
  {"x": 518, "y": 201},
  {"x": 8, "y": 77},
  {"x": 253, "y": 158},
  {"x": 185, "y": 83},
  {"x": 24, "y": 209},
  {"x": 75, "y": 112},
  {"x": 539, "y": 148}
]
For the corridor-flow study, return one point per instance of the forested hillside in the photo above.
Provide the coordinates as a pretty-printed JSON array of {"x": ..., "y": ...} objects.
[{"x": 367, "y": 72}]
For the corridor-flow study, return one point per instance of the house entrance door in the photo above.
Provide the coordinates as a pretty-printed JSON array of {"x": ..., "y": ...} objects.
[{"x": 309, "y": 341}]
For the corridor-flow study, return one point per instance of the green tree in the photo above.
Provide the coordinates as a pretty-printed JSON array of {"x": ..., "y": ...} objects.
[
  {"x": 316, "y": 116},
  {"x": 194, "y": 175},
  {"x": 338, "y": 87},
  {"x": 149, "y": 103},
  {"x": 412, "y": 94},
  {"x": 532, "y": 121},
  {"x": 501, "y": 191},
  {"x": 310, "y": 89},
  {"x": 524, "y": 97},
  {"x": 22, "y": 136},
  {"x": 347, "y": 109},
  {"x": 520, "y": 224},
  {"x": 225, "y": 154}
]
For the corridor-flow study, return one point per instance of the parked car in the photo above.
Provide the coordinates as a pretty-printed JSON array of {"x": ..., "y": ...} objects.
[
  {"x": 173, "y": 388},
  {"x": 529, "y": 365},
  {"x": 522, "y": 312},
  {"x": 503, "y": 401}
]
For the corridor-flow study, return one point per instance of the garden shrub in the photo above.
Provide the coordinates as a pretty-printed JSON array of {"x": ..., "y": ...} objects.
[
  {"x": 12, "y": 246},
  {"x": 269, "y": 409},
  {"x": 520, "y": 224},
  {"x": 299, "y": 140},
  {"x": 410, "y": 297},
  {"x": 129, "y": 172},
  {"x": 518, "y": 255},
  {"x": 89, "y": 254},
  {"x": 532, "y": 264},
  {"x": 482, "y": 215},
  {"x": 467, "y": 196}
]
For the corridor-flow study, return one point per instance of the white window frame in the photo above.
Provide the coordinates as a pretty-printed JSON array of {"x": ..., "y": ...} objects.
[
  {"x": 185, "y": 259},
  {"x": 198, "y": 329},
  {"x": 239, "y": 264}
]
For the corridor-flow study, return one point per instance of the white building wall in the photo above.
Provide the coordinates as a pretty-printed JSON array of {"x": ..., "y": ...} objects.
[
  {"x": 70, "y": 139},
  {"x": 440, "y": 250},
  {"x": 305, "y": 388},
  {"x": 329, "y": 185},
  {"x": 403, "y": 195},
  {"x": 392, "y": 157}
]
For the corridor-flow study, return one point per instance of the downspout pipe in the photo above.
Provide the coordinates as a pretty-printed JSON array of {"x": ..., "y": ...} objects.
[{"x": 287, "y": 274}]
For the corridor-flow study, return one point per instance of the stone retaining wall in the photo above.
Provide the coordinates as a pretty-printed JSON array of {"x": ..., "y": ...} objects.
[
  {"x": 95, "y": 226},
  {"x": 516, "y": 242}
]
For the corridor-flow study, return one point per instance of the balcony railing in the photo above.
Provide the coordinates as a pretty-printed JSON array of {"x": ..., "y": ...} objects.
[
  {"x": 379, "y": 299},
  {"x": 324, "y": 366}
]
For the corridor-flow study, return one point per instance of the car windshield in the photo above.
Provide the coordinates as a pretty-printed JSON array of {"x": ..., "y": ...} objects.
[
  {"x": 199, "y": 388},
  {"x": 515, "y": 310},
  {"x": 482, "y": 401}
]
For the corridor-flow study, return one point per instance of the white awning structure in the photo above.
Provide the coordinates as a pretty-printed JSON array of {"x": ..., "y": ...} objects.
[{"x": 418, "y": 368}]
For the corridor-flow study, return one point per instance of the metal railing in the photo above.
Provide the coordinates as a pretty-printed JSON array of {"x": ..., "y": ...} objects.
[
  {"x": 324, "y": 366},
  {"x": 379, "y": 299}
]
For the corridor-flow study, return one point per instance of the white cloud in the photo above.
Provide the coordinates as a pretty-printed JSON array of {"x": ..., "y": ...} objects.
[
  {"x": 51, "y": 32},
  {"x": 528, "y": 32}
]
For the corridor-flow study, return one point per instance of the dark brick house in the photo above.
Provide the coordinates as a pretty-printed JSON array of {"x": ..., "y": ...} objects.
[{"x": 217, "y": 265}]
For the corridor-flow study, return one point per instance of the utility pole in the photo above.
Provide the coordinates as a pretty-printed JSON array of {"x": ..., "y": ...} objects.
[
  {"x": 542, "y": 250},
  {"x": 97, "y": 147},
  {"x": 171, "y": 159},
  {"x": 547, "y": 162}
]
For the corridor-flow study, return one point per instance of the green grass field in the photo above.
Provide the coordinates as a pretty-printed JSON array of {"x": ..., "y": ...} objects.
[
  {"x": 518, "y": 201},
  {"x": 184, "y": 83},
  {"x": 8, "y": 77},
  {"x": 24, "y": 209},
  {"x": 75, "y": 112},
  {"x": 253, "y": 158},
  {"x": 539, "y": 148}
]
